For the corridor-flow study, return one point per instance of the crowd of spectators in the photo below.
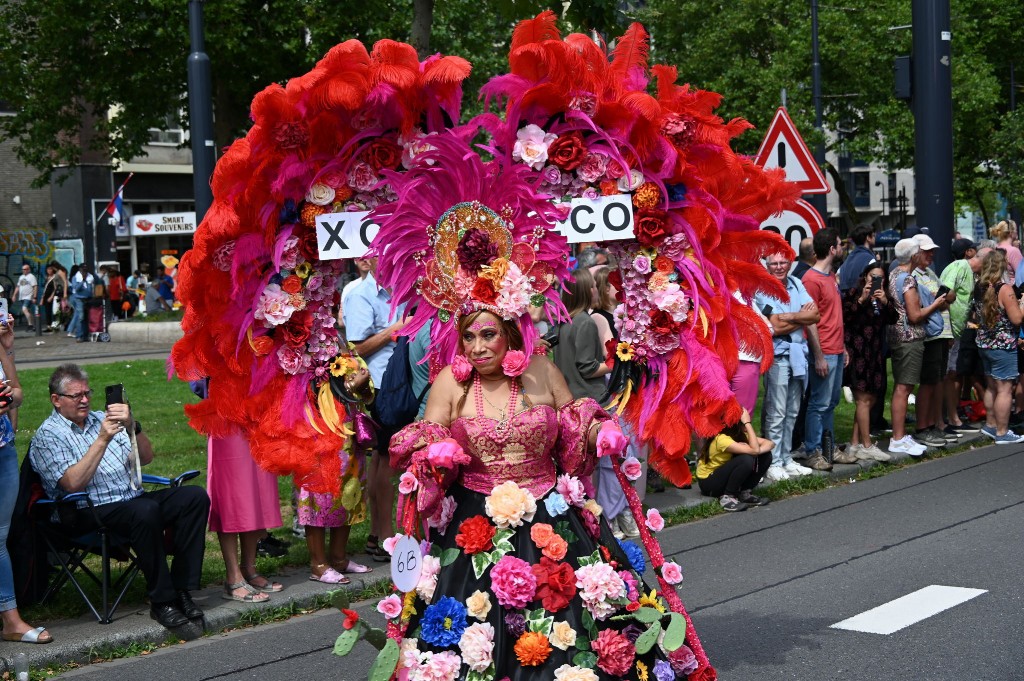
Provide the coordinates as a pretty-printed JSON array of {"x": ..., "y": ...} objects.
[{"x": 952, "y": 338}]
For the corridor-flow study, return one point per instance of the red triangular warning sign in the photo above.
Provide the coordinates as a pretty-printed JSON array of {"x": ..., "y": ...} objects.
[{"x": 783, "y": 147}]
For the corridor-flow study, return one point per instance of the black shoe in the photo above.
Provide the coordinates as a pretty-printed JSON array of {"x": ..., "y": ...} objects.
[
  {"x": 752, "y": 499},
  {"x": 274, "y": 541},
  {"x": 168, "y": 615},
  {"x": 266, "y": 548},
  {"x": 188, "y": 606}
]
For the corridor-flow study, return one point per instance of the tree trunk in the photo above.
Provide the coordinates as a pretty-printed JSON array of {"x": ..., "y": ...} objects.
[
  {"x": 981, "y": 206},
  {"x": 422, "y": 20},
  {"x": 852, "y": 216}
]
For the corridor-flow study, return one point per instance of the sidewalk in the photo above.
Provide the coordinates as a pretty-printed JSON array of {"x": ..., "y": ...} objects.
[
  {"x": 53, "y": 349},
  {"x": 74, "y": 639}
]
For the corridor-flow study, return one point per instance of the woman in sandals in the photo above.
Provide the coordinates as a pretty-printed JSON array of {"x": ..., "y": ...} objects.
[
  {"x": 243, "y": 504},
  {"x": 319, "y": 513},
  {"x": 14, "y": 628}
]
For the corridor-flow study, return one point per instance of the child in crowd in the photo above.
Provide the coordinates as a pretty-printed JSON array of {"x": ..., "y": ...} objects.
[{"x": 732, "y": 463}]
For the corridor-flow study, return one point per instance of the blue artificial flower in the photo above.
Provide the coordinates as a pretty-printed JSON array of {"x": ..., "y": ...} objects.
[
  {"x": 635, "y": 555},
  {"x": 556, "y": 504},
  {"x": 443, "y": 622},
  {"x": 676, "y": 192},
  {"x": 289, "y": 215},
  {"x": 663, "y": 671}
]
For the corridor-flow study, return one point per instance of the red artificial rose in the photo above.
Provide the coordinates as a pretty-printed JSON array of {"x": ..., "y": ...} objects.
[
  {"x": 556, "y": 584},
  {"x": 610, "y": 346},
  {"x": 382, "y": 154},
  {"x": 614, "y": 652},
  {"x": 296, "y": 330},
  {"x": 291, "y": 284},
  {"x": 651, "y": 227},
  {"x": 609, "y": 188},
  {"x": 308, "y": 248},
  {"x": 632, "y": 606},
  {"x": 615, "y": 280},
  {"x": 591, "y": 523},
  {"x": 567, "y": 152},
  {"x": 476, "y": 534},
  {"x": 483, "y": 290},
  {"x": 662, "y": 323},
  {"x": 664, "y": 265},
  {"x": 707, "y": 673},
  {"x": 351, "y": 618}
]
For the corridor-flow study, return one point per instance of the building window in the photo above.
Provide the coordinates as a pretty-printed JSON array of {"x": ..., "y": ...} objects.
[{"x": 169, "y": 135}]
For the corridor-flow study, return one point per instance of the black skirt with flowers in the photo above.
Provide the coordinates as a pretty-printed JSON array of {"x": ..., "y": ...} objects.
[{"x": 553, "y": 635}]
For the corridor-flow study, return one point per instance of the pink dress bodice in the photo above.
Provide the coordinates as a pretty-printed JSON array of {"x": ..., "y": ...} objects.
[{"x": 522, "y": 451}]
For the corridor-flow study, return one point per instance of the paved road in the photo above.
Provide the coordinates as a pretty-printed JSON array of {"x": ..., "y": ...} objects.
[{"x": 765, "y": 586}]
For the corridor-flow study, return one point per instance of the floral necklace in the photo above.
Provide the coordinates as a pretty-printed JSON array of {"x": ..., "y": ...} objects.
[{"x": 505, "y": 417}]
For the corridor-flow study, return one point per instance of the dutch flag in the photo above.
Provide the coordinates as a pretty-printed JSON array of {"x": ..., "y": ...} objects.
[{"x": 115, "y": 207}]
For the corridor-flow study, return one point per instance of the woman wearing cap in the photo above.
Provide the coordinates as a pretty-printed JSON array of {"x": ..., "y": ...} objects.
[{"x": 906, "y": 338}]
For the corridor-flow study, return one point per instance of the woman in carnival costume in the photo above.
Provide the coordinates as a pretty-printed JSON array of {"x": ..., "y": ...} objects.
[{"x": 504, "y": 591}]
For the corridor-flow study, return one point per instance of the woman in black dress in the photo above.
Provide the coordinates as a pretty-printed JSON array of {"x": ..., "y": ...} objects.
[{"x": 865, "y": 314}]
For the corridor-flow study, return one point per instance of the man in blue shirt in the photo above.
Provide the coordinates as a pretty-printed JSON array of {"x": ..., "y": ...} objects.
[
  {"x": 165, "y": 285},
  {"x": 785, "y": 381},
  {"x": 371, "y": 326},
  {"x": 79, "y": 450}
]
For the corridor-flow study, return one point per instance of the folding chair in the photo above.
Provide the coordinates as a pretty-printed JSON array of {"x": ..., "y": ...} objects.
[{"x": 70, "y": 548}]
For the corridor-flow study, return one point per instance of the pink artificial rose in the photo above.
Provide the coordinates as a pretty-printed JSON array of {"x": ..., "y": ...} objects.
[
  {"x": 655, "y": 522},
  {"x": 446, "y": 454},
  {"x": 443, "y": 516},
  {"x": 362, "y": 177},
  {"x": 515, "y": 363},
  {"x": 461, "y": 368},
  {"x": 513, "y": 582},
  {"x": 593, "y": 167},
  {"x": 407, "y": 483},
  {"x": 390, "y": 607},
  {"x": 389, "y": 543},
  {"x": 610, "y": 439},
  {"x": 631, "y": 468},
  {"x": 672, "y": 573},
  {"x": 571, "y": 489}
]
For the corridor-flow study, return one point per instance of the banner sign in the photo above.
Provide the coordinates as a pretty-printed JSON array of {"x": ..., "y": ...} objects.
[
  {"x": 159, "y": 224},
  {"x": 606, "y": 218}
]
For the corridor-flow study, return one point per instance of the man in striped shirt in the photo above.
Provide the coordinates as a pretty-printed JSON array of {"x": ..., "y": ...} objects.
[{"x": 80, "y": 450}]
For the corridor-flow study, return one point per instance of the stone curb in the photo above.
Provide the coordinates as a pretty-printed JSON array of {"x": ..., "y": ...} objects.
[{"x": 145, "y": 332}]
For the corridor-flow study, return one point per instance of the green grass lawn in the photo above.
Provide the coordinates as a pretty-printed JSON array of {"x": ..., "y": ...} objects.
[{"x": 158, "y": 404}]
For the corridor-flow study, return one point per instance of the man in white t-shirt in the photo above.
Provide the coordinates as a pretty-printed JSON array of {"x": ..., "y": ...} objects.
[{"x": 28, "y": 287}]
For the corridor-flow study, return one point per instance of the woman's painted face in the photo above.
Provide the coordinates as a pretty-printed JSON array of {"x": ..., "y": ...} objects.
[{"x": 485, "y": 344}]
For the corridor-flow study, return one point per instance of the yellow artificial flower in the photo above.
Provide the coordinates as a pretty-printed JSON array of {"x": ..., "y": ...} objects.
[
  {"x": 651, "y": 601},
  {"x": 641, "y": 671},
  {"x": 303, "y": 270},
  {"x": 624, "y": 351},
  {"x": 408, "y": 608},
  {"x": 496, "y": 271}
]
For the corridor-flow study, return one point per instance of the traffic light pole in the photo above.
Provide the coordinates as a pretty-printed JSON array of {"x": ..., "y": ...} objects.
[{"x": 933, "y": 123}]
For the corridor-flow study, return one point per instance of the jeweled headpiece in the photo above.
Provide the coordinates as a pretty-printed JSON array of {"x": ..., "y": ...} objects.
[{"x": 480, "y": 238}]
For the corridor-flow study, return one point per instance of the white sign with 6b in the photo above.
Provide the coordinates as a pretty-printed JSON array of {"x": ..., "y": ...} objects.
[{"x": 406, "y": 563}]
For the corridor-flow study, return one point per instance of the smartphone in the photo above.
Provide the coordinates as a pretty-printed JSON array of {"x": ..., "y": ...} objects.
[
  {"x": 3, "y": 310},
  {"x": 115, "y": 394},
  {"x": 943, "y": 290},
  {"x": 767, "y": 310},
  {"x": 876, "y": 282},
  {"x": 551, "y": 337},
  {"x": 5, "y": 399}
]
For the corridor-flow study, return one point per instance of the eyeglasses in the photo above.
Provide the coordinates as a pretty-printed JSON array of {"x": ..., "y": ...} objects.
[
  {"x": 784, "y": 263},
  {"x": 77, "y": 397}
]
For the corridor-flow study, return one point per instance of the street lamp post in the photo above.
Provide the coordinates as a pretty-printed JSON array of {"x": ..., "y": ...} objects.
[{"x": 200, "y": 108}]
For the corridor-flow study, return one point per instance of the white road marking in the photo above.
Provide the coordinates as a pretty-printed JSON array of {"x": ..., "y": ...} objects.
[{"x": 910, "y": 609}]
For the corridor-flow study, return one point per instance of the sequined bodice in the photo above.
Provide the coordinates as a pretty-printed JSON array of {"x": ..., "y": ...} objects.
[{"x": 521, "y": 452}]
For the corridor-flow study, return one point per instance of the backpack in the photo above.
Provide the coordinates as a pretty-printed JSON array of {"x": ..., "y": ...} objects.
[
  {"x": 396, "y": 403},
  {"x": 31, "y": 568}
]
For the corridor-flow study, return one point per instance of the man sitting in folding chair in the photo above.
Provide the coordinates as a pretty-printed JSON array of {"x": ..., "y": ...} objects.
[{"x": 77, "y": 450}]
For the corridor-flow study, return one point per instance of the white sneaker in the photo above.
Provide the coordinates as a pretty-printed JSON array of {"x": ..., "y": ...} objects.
[
  {"x": 794, "y": 469},
  {"x": 776, "y": 474},
  {"x": 875, "y": 453},
  {"x": 627, "y": 525},
  {"x": 906, "y": 445}
]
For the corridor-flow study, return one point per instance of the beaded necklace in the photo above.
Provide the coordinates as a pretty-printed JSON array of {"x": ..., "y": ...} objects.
[{"x": 505, "y": 419}]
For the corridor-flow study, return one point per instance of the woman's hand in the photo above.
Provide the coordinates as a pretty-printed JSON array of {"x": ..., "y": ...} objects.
[
  {"x": 879, "y": 295},
  {"x": 865, "y": 293}
]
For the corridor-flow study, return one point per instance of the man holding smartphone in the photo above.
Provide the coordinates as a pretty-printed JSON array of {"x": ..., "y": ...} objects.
[{"x": 77, "y": 449}]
